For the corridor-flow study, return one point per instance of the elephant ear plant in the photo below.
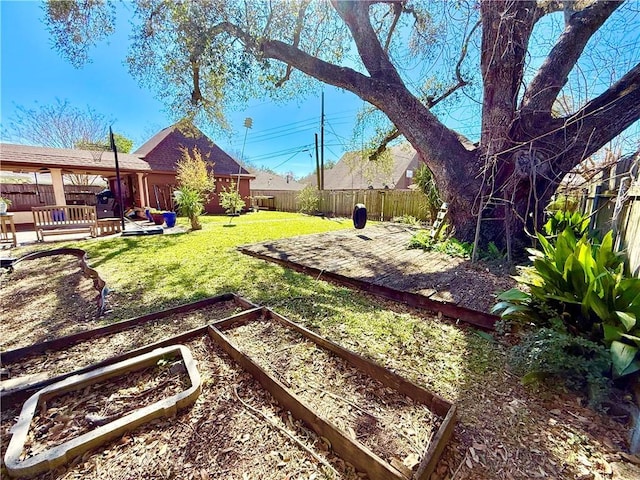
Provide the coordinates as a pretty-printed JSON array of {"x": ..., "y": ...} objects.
[{"x": 580, "y": 287}]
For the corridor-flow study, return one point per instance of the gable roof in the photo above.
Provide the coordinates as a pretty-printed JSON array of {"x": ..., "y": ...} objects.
[
  {"x": 345, "y": 176},
  {"x": 164, "y": 149},
  {"x": 271, "y": 181},
  {"x": 29, "y": 157}
]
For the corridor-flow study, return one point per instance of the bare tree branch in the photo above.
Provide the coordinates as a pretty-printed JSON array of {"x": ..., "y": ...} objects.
[
  {"x": 375, "y": 59},
  {"x": 296, "y": 39},
  {"x": 553, "y": 74},
  {"x": 600, "y": 120},
  {"x": 397, "y": 11}
]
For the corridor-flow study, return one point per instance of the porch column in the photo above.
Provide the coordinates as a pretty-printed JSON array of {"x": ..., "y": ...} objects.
[
  {"x": 142, "y": 192},
  {"x": 58, "y": 186}
]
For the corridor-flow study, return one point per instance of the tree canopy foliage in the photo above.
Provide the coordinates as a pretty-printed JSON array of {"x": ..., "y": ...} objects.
[{"x": 409, "y": 60}]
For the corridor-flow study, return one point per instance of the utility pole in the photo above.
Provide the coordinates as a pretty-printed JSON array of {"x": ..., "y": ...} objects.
[
  {"x": 322, "y": 143},
  {"x": 248, "y": 123},
  {"x": 118, "y": 185},
  {"x": 317, "y": 162}
]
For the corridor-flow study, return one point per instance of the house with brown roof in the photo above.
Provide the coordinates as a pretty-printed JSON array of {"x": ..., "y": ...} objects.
[
  {"x": 269, "y": 181},
  {"x": 353, "y": 172},
  {"x": 148, "y": 175},
  {"x": 162, "y": 153}
]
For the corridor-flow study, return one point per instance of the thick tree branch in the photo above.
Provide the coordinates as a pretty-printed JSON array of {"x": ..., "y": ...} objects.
[
  {"x": 296, "y": 39},
  {"x": 391, "y": 135},
  {"x": 553, "y": 74},
  {"x": 375, "y": 59},
  {"x": 506, "y": 29},
  {"x": 600, "y": 120}
]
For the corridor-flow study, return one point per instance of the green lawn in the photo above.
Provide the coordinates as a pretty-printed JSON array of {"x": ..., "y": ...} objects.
[
  {"x": 155, "y": 272},
  {"x": 151, "y": 273}
]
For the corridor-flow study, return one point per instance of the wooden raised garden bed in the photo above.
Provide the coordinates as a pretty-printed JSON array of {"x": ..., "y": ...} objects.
[
  {"x": 370, "y": 417},
  {"x": 345, "y": 441}
]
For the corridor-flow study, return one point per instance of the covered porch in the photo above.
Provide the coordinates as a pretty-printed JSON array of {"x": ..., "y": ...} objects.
[{"x": 40, "y": 164}]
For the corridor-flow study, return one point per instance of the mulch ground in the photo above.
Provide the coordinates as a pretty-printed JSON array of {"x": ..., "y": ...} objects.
[{"x": 236, "y": 430}]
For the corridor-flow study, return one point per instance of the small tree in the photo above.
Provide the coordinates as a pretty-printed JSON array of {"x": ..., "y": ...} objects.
[
  {"x": 423, "y": 179},
  {"x": 231, "y": 200},
  {"x": 195, "y": 184},
  {"x": 309, "y": 199}
]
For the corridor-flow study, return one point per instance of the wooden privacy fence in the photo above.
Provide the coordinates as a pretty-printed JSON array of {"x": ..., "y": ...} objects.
[
  {"x": 381, "y": 204},
  {"x": 614, "y": 204},
  {"x": 23, "y": 196},
  {"x": 625, "y": 222}
]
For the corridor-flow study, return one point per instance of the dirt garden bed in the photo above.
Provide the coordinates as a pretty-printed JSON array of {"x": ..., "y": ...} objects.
[
  {"x": 393, "y": 426},
  {"x": 235, "y": 430},
  {"x": 46, "y": 298}
]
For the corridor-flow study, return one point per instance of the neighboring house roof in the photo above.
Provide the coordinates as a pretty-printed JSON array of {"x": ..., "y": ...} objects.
[
  {"x": 165, "y": 148},
  {"x": 353, "y": 173},
  {"x": 271, "y": 181},
  {"x": 30, "y": 157}
]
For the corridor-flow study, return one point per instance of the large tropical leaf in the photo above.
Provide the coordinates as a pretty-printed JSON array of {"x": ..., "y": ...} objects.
[
  {"x": 622, "y": 356},
  {"x": 514, "y": 295},
  {"x": 611, "y": 333},
  {"x": 627, "y": 319}
]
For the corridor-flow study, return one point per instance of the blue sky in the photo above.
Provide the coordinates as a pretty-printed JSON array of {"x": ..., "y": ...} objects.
[{"x": 33, "y": 74}]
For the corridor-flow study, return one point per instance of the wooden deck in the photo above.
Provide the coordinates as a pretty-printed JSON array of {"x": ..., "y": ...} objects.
[{"x": 377, "y": 260}]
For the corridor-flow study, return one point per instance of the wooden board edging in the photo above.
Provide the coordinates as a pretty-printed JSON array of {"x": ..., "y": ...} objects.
[
  {"x": 10, "y": 398},
  {"x": 479, "y": 319},
  {"x": 12, "y": 356},
  {"x": 358, "y": 454},
  {"x": 349, "y": 450}
]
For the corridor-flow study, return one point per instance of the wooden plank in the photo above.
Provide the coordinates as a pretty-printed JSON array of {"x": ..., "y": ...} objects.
[
  {"x": 352, "y": 451},
  {"x": 385, "y": 376},
  {"x": 11, "y": 356},
  {"x": 476, "y": 318},
  {"x": 11, "y": 397},
  {"x": 430, "y": 459}
]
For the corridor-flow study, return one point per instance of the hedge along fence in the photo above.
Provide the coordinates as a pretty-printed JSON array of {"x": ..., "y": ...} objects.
[
  {"x": 381, "y": 204},
  {"x": 23, "y": 196}
]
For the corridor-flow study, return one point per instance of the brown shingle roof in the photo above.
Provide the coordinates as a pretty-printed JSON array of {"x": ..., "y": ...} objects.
[
  {"x": 349, "y": 174},
  {"x": 48, "y": 157},
  {"x": 164, "y": 149},
  {"x": 271, "y": 181}
]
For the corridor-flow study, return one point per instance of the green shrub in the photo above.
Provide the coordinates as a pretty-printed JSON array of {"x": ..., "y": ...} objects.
[
  {"x": 585, "y": 283},
  {"x": 562, "y": 219},
  {"x": 450, "y": 246},
  {"x": 579, "y": 363},
  {"x": 423, "y": 178},
  {"x": 564, "y": 203},
  {"x": 190, "y": 204},
  {"x": 309, "y": 200},
  {"x": 492, "y": 253}
]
